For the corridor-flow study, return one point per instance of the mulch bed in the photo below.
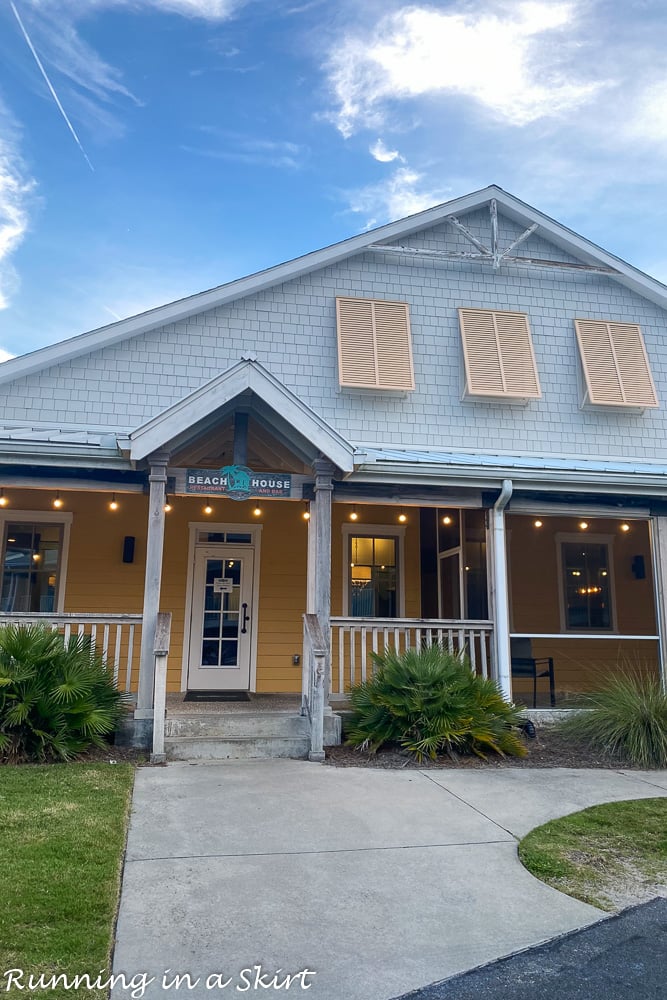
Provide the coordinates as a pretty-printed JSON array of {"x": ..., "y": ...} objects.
[{"x": 548, "y": 749}]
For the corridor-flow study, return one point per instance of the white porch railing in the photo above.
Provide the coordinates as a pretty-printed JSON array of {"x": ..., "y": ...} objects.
[
  {"x": 114, "y": 636},
  {"x": 354, "y": 639}
]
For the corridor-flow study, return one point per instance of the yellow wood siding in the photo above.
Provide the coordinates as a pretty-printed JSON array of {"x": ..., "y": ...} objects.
[
  {"x": 99, "y": 582},
  {"x": 580, "y": 664}
]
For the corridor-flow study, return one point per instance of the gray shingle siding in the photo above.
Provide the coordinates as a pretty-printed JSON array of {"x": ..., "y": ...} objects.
[{"x": 292, "y": 330}]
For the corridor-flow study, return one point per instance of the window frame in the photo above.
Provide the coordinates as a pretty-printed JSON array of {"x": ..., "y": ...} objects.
[
  {"x": 375, "y": 531},
  {"x": 563, "y": 537},
  {"x": 62, "y": 518}
]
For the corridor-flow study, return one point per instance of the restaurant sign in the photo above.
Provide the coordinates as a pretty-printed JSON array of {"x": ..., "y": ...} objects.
[{"x": 237, "y": 482}]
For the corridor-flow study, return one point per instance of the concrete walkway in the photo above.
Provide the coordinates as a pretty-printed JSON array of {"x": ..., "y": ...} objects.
[{"x": 378, "y": 881}]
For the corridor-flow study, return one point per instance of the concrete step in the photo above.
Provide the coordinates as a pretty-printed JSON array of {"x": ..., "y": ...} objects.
[
  {"x": 256, "y": 725},
  {"x": 236, "y": 747},
  {"x": 228, "y": 735}
]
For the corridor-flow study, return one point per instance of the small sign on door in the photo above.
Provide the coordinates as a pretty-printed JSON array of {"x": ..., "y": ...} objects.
[{"x": 222, "y": 585}]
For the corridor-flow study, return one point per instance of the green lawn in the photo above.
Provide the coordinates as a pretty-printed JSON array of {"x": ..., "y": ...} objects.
[
  {"x": 603, "y": 854},
  {"x": 62, "y": 838}
]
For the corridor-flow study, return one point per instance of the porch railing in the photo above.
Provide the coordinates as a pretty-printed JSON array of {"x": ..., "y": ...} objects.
[
  {"x": 116, "y": 637},
  {"x": 354, "y": 639}
]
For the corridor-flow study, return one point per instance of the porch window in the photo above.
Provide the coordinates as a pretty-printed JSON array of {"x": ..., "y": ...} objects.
[
  {"x": 373, "y": 579},
  {"x": 587, "y": 586},
  {"x": 32, "y": 562}
]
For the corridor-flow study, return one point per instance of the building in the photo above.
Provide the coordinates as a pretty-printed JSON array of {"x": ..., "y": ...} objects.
[{"x": 453, "y": 427}]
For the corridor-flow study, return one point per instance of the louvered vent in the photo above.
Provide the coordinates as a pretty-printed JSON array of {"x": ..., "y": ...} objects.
[
  {"x": 498, "y": 354},
  {"x": 615, "y": 364},
  {"x": 374, "y": 346}
]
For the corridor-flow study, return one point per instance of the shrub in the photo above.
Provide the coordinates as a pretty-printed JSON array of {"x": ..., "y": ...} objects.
[
  {"x": 429, "y": 701},
  {"x": 57, "y": 698},
  {"x": 626, "y": 718}
]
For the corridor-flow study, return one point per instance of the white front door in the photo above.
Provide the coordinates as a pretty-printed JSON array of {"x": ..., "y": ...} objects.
[{"x": 222, "y": 619}]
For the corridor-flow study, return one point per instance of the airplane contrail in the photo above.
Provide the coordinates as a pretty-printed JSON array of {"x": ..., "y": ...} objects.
[{"x": 50, "y": 86}]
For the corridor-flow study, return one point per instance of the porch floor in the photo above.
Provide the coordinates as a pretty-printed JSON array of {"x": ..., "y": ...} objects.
[{"x": 289, "y": 703}]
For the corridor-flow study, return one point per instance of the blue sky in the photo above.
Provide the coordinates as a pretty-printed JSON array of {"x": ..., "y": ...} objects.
[{"x": 228, "y": 135}]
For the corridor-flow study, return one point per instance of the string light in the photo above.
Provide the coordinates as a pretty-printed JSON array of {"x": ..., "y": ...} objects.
[
  {"x": 257, "y": 511},
  {"x": 583, "y": 525},
  {"x": 625, "y": 527},
  {"x": 167, "y": 506},
  {"x": 447, "y": 519},
  {"x": 353, "y": 515},
  {"x": 208, "y": 509},
  {"x": 538, "y": 523},
  {"x": 57, "y": 502},
  {"x": 114, "y": 505},
  {"x": 306, "y": 513},
  {"x": 3, "y": 499},
  {"x": 402, "y": 518}
]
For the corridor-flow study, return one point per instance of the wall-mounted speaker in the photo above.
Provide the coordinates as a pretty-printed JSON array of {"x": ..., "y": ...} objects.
[
  {"x": 128, "y": 549},
  {"x": 638, "y": 568}
]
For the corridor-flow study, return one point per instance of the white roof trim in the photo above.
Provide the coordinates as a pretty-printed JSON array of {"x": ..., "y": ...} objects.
[
  {"x": 513, "y": 208},
  {"x": 157, "y": 432}
]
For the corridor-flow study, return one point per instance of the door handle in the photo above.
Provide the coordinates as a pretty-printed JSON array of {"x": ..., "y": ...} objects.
[{"x": 245, "y": 620}]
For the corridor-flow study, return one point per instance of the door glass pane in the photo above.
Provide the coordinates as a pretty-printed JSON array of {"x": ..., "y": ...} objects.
[
  {"x": 586, "y": 583},
  {"x": 474, "y": 555},
  {"x": 449, "y": 529},
  {"x": 31, "y": 567},
  {"x": 221, "y": 612},
  {"x": 450, "y": 586}
]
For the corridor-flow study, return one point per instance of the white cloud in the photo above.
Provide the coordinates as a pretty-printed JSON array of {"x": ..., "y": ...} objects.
[
  {"x": 506, "y": 61},
  {"x": 380, "y": 152},
  {"x": 404, "y": 193},
  {"x": 5, "y": 355},
  {"x": 16, "y": 188}
]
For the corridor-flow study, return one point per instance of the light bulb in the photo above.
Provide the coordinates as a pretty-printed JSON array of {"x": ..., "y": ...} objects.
[
  {"x": 583, "y": 525},
  {"x": 114, "y": 505},
  {"x": 257, "y": 511},
  {"x": 538, "y": 524},
  {"x": 354, "y": 516},
  {"x": 625, "y": 527},
  {"x": 57, "y": 502},
  {"x": 402, "y": 518},
  {"x": 208, "y": 509},
  {"x": 447, "y": 520},
  {"x": 3, "y": 499},
  {"x": 167, "y": 507}
]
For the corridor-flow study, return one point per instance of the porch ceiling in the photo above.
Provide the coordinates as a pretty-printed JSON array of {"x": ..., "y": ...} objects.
[{"x": 215, "y": 447}]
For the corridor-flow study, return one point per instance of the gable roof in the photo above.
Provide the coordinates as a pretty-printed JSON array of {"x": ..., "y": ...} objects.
[
  {"x": 513, "y": 208},
  {"x": 189, "y": 415}
]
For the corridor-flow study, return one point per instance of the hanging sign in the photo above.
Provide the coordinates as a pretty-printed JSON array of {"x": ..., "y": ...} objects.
[
  {"x": 237, "y": 482},
  {"x": 223, "y": 585}
]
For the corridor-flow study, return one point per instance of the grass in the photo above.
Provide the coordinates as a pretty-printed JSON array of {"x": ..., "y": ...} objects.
[
  {"x": 62, "y": 838},
  {"x": 604, "y": 855}
]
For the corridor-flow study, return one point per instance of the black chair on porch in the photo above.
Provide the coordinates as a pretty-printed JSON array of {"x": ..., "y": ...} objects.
[{"x": 524, "y": 664}]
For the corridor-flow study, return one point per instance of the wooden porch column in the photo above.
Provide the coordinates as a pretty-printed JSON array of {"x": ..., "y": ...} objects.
[
  {"x": 154, "y": 548},
  {"x": 659, "y": 552},
  {"x": 500, "y": 593},
  {"x": 323, "y": 489}
]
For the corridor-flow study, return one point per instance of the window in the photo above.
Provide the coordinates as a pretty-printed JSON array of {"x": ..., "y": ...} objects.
[
  {"x": 586, "y": 581},
  {"x": 33, "y": 570},
  {"x": 373, "y": 571},
  {"x": 615, "y": 364},
  {"x": 374, "y": 344},
  {"x": 462, "y": 579},
  {"x": 498, "y": 355}
]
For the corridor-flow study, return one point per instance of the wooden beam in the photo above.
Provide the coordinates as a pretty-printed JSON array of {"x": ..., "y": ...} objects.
[
  {"x": 468, "y": 235},
  {"x": 520, "y": 239},
  {"x": 493, "y": 210}
]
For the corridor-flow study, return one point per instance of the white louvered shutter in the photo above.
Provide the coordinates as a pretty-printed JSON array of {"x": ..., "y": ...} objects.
[
  {"x": 374, "y": 345},
  {"x": 615, "y": 364},
  {"x": 498, "y": 354}
]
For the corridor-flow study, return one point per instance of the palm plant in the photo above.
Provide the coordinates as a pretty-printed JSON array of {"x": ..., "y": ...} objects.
[
  {"x": 626, "y": 718},
  {"x": 429, "y": 701},
  {"x": 57, "y": 698}
]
